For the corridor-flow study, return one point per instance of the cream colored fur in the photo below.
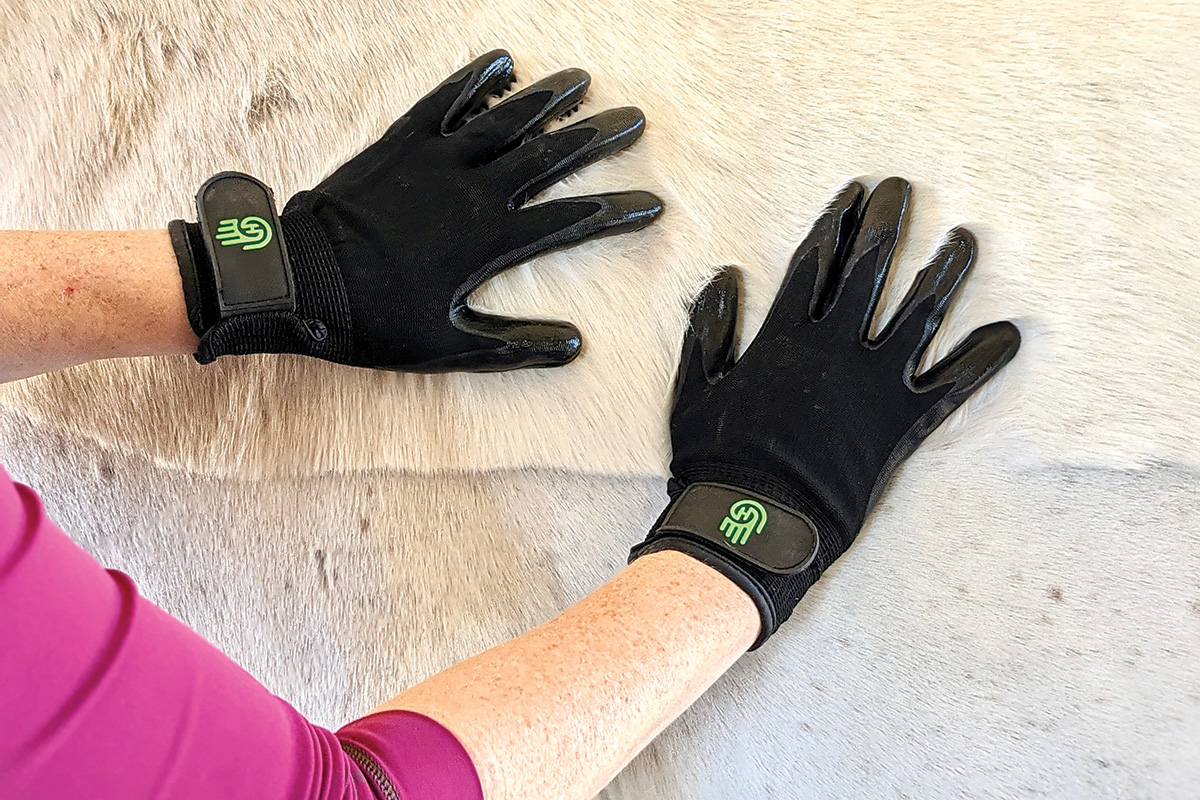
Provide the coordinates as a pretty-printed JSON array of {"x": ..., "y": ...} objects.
[
  {"x": 1022, "y": 615},
  {"x": 1008, "y": 632},
  {"x": 1066, "y": 139}
]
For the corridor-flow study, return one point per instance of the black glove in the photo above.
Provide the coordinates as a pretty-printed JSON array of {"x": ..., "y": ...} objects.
[
  {"x": 375, "y": 265},
  {"x": 778, "y": 458}
]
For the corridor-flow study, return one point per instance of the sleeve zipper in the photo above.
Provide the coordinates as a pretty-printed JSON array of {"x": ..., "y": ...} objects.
[{"x": 371, "y": 768}]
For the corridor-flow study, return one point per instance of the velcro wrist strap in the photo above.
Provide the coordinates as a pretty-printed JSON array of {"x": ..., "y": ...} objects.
[
  {"x": 745, "y": 524},
  {"x": 767, "y": 549},
  {"x": 245, "y": 246}
]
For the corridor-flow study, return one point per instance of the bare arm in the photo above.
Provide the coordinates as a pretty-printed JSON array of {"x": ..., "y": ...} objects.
[
  {"x": 558, "y": 711},
  {"x": 773, "y": 459},
  {"x": 76, "y": 296},
  {"x": 554, "y": 713}
]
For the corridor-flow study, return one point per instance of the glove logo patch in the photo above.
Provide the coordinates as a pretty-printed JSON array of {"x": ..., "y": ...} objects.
[
  {"x": 252, "y": 233},
  {"x": 745, "y": 517}
]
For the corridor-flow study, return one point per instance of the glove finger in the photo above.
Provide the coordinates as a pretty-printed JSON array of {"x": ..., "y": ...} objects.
[
  {"x": 870, "y": 253},
  {"x": 973, "y": 361},
  {"x": 971, "y": 364},
  {"x": 547, "y": 159},
  {"x": 707, "y": 351},
  {"x": 523, "y": 115},
  {"x": 463, "y": 93},
  {"x": 505, "y": 343},
  {"x": 556, "y": 224},
  {"x": 814, "y": 265},
  {"x": 571, "y": 220},
  {"x": 922, "y": 310}
]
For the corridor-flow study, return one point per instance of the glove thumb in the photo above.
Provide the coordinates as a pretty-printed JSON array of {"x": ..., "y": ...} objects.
[{"x": 498, "y": 344}]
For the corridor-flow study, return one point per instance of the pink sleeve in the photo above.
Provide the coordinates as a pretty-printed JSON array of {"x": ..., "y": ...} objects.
[{"x": 104, "y": 695}]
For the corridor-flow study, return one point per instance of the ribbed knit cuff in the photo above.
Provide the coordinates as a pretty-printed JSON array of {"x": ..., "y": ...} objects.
[{"x": 319, "y": 327}]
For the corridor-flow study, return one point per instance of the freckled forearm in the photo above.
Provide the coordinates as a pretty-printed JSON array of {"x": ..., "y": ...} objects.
[
  {"x": 76, "y": 296},
  {"x": 555, "y": 713}
]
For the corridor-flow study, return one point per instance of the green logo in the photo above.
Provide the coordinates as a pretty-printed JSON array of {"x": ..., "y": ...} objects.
[
  {"x": 252, "y": 233},
  {"x": 744, "y": 518}
]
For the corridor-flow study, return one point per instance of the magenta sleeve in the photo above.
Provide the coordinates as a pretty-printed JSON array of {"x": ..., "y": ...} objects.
[
  {"x": 104, "y": 695},
  {"x": 420, "y": 757}
]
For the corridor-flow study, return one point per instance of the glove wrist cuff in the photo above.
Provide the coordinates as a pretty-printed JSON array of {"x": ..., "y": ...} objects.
[
  {"x": 769, "y": 539},
  {"x": 311, "y": 318},
  {"x": 194, "y": 271},
  {"x": 319, "y": 327},
  {"x": 790, "y": 494}
]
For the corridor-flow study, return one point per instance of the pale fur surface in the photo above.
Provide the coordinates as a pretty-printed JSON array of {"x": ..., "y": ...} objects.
[
  {"x": 1066, "y": 138},
  {"x": 1007, "y": 632},
  {"x": 1022, "y": 616}
]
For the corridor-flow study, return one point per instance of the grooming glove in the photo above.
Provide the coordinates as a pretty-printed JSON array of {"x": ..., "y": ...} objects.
[
  {"x": 374, "y": 267},
  {"x": 778, "y": 456}
]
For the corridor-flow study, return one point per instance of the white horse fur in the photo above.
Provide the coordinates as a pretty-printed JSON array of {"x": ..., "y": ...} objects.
[{"x": 1021, "y": 616}]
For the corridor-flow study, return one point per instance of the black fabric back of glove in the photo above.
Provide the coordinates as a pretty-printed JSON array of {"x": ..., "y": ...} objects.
[
  {"x": 421, "y": 218},
  {"x": 818, "y": 413}
]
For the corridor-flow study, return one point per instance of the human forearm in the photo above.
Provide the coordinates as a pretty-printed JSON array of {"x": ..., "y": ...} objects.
[
  {"x": 76, "y": 296},
  {"x": 777, "y": 458},
  {"x": 557, "y": 712}
]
